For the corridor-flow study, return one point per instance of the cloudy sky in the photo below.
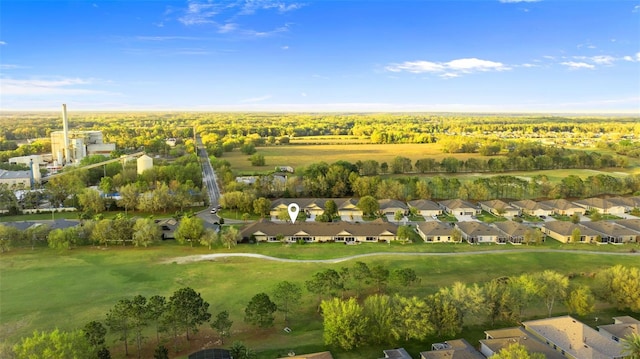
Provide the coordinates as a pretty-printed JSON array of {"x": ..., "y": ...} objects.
[{"x": 330, "y": 55}]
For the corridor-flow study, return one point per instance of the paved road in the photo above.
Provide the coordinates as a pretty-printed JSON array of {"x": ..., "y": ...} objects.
[
  {"x": 208, "y": 176},
  {"x": 214, "y": 256}
]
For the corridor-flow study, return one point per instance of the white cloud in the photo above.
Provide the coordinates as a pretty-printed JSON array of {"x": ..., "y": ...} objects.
[
  {"x": 165, "y": 38},
  {"x": 636, "y": 8},
  {"x": 453, "y": 68},
  {"x": 577, "y": 65},
  {"x": 285, "y": 47},
  {"x": 256, "y": 99},
  {"x": 66, "y": 86},
  {"x": 249, "y": 7},
  {"x": 11, "y": 67},
  {"x": 603, "y": 59},
  {"x": 516, "y": 1},
  {"x": 228, "y": 27},
  {"x": 2, "y": 43},
  {"x": 198, "y": 13}
]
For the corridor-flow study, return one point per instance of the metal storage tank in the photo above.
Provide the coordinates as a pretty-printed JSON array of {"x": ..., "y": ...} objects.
[{"x": 144, "y": 163}]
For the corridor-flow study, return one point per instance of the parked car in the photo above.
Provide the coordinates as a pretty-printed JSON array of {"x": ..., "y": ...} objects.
[{"x": 214, "y": 211}]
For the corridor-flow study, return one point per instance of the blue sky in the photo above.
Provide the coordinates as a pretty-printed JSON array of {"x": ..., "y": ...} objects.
[{"x": 332, "y": 55}]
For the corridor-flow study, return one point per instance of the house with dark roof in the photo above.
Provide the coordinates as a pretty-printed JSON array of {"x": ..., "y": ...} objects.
[
  {"x": 389, "y": 207},
  {"x": 622, "y": 327},
  {"x": 435, "y": 232},
  {"x": 320, "y": 355},
  {"x": 611, "y": 232},
  {"x": 533, "y": 208},
  {"x": 602, "y": 205},
  {"x": 346, "y": 232},
  {"x": 479, "y": 232},
  {"x": 312, "y": 207},
  {"x": 499, "y": 208},
  {"x": 460, "y": 207},
  {"x": 513, "y": 231},
  {"x": 425, "y": 207},
  {"x": 397, "y": 353},
  {"x": 633, "y": 224},
  {"x": 629, "y": 203},
  {"x": 563, "y": 231},
  {"x": 452, "y": 349},
  {"x": 563, "y": 207}
]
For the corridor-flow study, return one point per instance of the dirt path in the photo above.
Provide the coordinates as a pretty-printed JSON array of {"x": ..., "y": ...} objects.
[{"x": 215, "y": 256}]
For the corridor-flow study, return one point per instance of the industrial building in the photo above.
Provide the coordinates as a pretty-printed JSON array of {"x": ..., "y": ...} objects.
[{"x": 71, "y": 146}]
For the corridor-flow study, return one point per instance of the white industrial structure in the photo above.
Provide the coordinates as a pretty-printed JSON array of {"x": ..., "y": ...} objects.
[
  {"x": 144, "y": 163},
  {"x": 69, "y": 147}
]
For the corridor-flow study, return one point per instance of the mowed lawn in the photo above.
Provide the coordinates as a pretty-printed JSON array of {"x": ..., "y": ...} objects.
[
  {"x": 44, "y": 289},
  {"x": 303, "y": 155}
]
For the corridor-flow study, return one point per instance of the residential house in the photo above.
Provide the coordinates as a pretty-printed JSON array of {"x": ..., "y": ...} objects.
[
  {"x": 621, "y": 328},
  {"x": 574, "y": 339},
  {"x": 348, "y": 209},
  {"x": 310, "y": 206},
  {"x": 563, "y": 231},
  {"x": 266, "y": 231},
  {"x": 479, "y": 232},
  {"x": 435, "y": 232},
  {"x": 499, "y": 208},
  {"x": 562, "y": 207},
  {"x": 452, "y": 349},
  {"x": 398, "y": 353},
  {"x": 611, "y": 232},
  {"x": 389, "y": 207},
  {"x": 321, "y": 355},
  {"x": 168, "y": 227},
  {"x": 499, "y": 339},
  {"x": 513, "y": 231},
  {"x": 602, "y": 205},
  {"x": 460, "y": 207},
  {"x": 533, "y": 208},
  {"x": 629, "y": 203},
  {"x": 633, "y": 224},
  {"x": 425, "y": 207}
]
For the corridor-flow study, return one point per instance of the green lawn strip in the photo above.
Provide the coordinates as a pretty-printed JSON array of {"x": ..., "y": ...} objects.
[
  {"x": 490, "y": 217},
  {"x": 44, "y": 289}
]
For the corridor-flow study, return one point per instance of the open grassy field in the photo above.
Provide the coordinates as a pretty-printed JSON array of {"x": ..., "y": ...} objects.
[
  {"x": 44, "y": 289},
  {"x": 303, "y": 155}
]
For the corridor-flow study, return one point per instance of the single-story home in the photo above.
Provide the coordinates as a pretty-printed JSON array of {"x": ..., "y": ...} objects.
[
  {"x": 479, "y": 232},
  {"x": 309, "y": 206},
  {"x": 513, "y": 231},
  {"x": 602, "y": 205},
  {"x": 348, "y": 209},
  {"x": 633, "y": 224},
  {"x": 452, "y": 349},
  {"x": 563, "y": 207},
  {"x": 621, "y": 328},
  {"x": 499, "y": 339},
  {"x": 460, "y": 207},
  {"x": 533, "y": 208},
  {"x": 266, "y": 231},
  {"x": 425, "y": 207},
  {"x": 499, "y": 208},
  {"x": 389, "y": 207},
  {"x": 168, "y": 227},
  {"x": 397, "y": 353},
  {"x": 628, "y": 203},
  {"x": 574, "y": 339},
  {"x": 563, "y": 231},
  {"x": 611, "y": 232},
  {"x": 435, "y": 232},
  {"x": 320, "y": 355}
]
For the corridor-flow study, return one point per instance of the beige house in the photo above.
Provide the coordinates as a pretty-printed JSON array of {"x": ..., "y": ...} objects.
[
  {"x": 460, "y": 207},
  {"x": 602, "y": 205},
  {"x": 533, "y": 208},
  {"x": 348, "y": 209},
  {"x": 574, "y": 339},
  {"x": 266, "y": 231},
  {"x": 563, "y": 207},
  {"x": 563, "y": 231},
  {"x": 479, "y": 232},
  {"x": 425, "y": 207},
  {"x": 389, "y": 207},
  {"x": 452, "y": 349},
  {"x": 435, "y": 232},
  {"x": 621, "y": 328},
  {"x": 611, "y": 232},
  {"x": 629, "y": 203},
  {"x": 513, "y": 231},
  {"x": 499, "y": 339},
  {"x": 313, "y": 207},
  {"x": 633, "y": 224},
  {"x": 499, "y": 208}
]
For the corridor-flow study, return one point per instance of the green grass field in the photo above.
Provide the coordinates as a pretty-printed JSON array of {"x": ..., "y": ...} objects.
[{"x": 44, "y": 289}]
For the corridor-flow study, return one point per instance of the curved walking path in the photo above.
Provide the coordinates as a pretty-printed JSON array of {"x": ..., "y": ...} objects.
[{"x": 214, "y": 256}]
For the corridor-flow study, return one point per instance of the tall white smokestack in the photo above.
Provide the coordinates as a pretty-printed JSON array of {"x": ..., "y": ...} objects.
[{"x": 65, "y": 128}]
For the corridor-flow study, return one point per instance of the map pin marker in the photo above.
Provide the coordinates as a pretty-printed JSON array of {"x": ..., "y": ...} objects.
[{"x": 293, "y": 209}]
